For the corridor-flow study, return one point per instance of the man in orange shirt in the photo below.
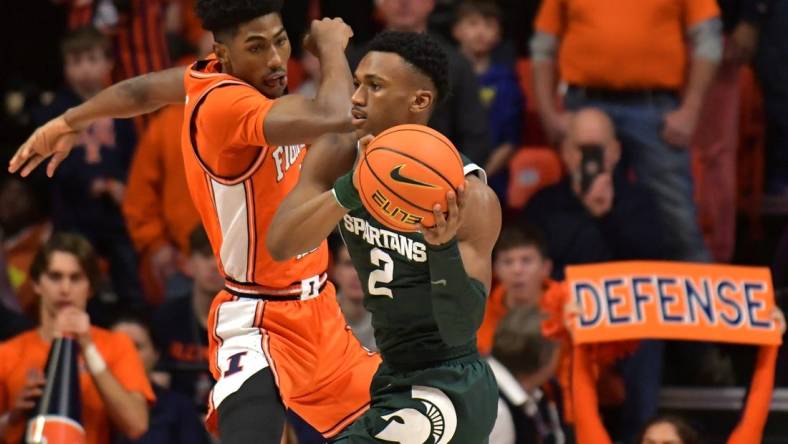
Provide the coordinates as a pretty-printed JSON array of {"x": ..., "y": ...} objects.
[
  {"x": 629, "y": 59},
  {"x": 277, "y": 336},
  {"x": 114, "y": 389},
  {"x": 522, "y": 270}
]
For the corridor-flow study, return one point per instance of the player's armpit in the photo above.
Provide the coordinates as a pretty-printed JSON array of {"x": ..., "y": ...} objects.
[{"x": 309, "y": 212}]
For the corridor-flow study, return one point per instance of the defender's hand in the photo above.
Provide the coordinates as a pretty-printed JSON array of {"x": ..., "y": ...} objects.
[
  {"x": 55, "y": 139},
  {"x": 327, "y": 31},
  {"x": 446, "y": 229}
]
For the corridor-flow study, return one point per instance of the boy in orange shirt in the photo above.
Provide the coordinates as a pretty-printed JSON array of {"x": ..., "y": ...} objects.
[
  {"x": 522, "y": 270},
  {"x": 113, "y": 387}
]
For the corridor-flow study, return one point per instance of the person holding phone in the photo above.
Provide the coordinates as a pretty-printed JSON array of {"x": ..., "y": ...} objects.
[
  {"x": 596, "y": 215},
  {"x": 593, "y": 214}
]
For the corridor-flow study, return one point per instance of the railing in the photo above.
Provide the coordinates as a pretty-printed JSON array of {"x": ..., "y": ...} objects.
[{"x": 711, "y": 398}]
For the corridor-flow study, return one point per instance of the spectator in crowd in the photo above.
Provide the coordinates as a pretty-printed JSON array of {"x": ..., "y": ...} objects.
[
  {"x": 607, "y": 219},
  {"x": 612, "y": 219},
  {"x": 765, "y": 21},
  {"x": 519, "y": 23},
  {"x": 88, "y": 188},
  {"x": 521, "y": 269},
  {"x": 158, "y": 209},
  {"x": 180, "y": 325},
  {"x": 716, "y": 140},
  {"x": 114, "y": 390},
  {"x": 172, "y": 419},
  {"x": 24, "y": 231},
  {"x": 461, "y": 116},
  {"x": 184, "y": 32},
  {"x": 478, "y": 30},
  {"x": 524, "y": 363},
  {"x": 350, "y": 294},
  {"x": 358, "y": 14},
  {"x": 628, "y": 59},
  {"x": 668, "y": 429},
  {"x": 11, "y": 321},
  {"x": 135, "y": 26}
]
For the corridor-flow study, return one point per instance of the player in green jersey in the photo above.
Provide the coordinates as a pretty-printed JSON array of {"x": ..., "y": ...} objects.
[{"x": 427, "y": 290}]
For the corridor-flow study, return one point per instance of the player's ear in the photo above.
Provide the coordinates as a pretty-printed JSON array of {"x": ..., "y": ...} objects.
[
  {"x": 222, "y": 53},
  {"x": 422, "y": 101}
]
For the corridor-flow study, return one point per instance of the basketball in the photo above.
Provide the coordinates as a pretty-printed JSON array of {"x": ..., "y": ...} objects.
[{"x": 404, "y": 172}]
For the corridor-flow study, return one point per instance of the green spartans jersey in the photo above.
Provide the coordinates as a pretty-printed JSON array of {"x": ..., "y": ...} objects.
[{"x": 395, "y": 276}]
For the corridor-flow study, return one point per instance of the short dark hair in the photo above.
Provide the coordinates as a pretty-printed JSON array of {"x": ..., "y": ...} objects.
[
  {"x": 84, "y": 39},
  {"x": 420, "y": 51},
  {"x": 513, "y": 236},
  {"x": 199, "y": 242},
  {"x": 73, "y": 244},
  {"x": 221, "y": 16},
  {"x": 140, "y": 319},
  {"x": 519, "y": 344},
  {"x": 686, "y": 433},
  {"x": 486, "y": 8}
]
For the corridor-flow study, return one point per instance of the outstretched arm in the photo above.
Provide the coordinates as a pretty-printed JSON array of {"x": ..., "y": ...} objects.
[
  {"x": 459, "y": 254},
  {"x": 129, "y": 98},
  {"x": 310, "y": 211}
]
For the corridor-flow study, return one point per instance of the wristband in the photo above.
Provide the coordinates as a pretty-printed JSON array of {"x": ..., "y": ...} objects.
[
  {"x": 450, "y": 244},
  {"x": 93, "y": 359},
  {"x": 346, "y": 193}
]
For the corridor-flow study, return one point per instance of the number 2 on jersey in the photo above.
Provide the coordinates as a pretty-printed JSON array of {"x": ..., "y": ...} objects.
[{"x": 384, "y": 276}]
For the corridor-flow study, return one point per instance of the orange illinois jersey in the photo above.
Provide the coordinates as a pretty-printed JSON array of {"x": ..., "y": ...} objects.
[{"x": 237, "y": 180}]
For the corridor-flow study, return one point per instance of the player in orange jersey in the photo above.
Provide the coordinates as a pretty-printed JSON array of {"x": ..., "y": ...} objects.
[{"x": 277, "y": 335}]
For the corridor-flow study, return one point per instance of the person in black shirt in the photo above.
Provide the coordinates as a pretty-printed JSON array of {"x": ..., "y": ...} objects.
[
  {"x": 172, "y": 420},
  {"x": 613, "y": 219},
  {"x": 180, "y": 325}
]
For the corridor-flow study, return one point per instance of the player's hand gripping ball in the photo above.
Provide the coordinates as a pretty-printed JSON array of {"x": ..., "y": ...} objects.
[{"x": 404, "y": 172}]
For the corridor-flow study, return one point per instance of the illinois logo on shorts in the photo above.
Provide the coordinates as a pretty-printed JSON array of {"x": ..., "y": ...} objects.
[{"x": 414, "y": 427}]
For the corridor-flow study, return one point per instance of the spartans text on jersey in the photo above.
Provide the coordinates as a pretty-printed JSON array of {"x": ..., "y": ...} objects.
[{"x": 413, "y": 250}]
